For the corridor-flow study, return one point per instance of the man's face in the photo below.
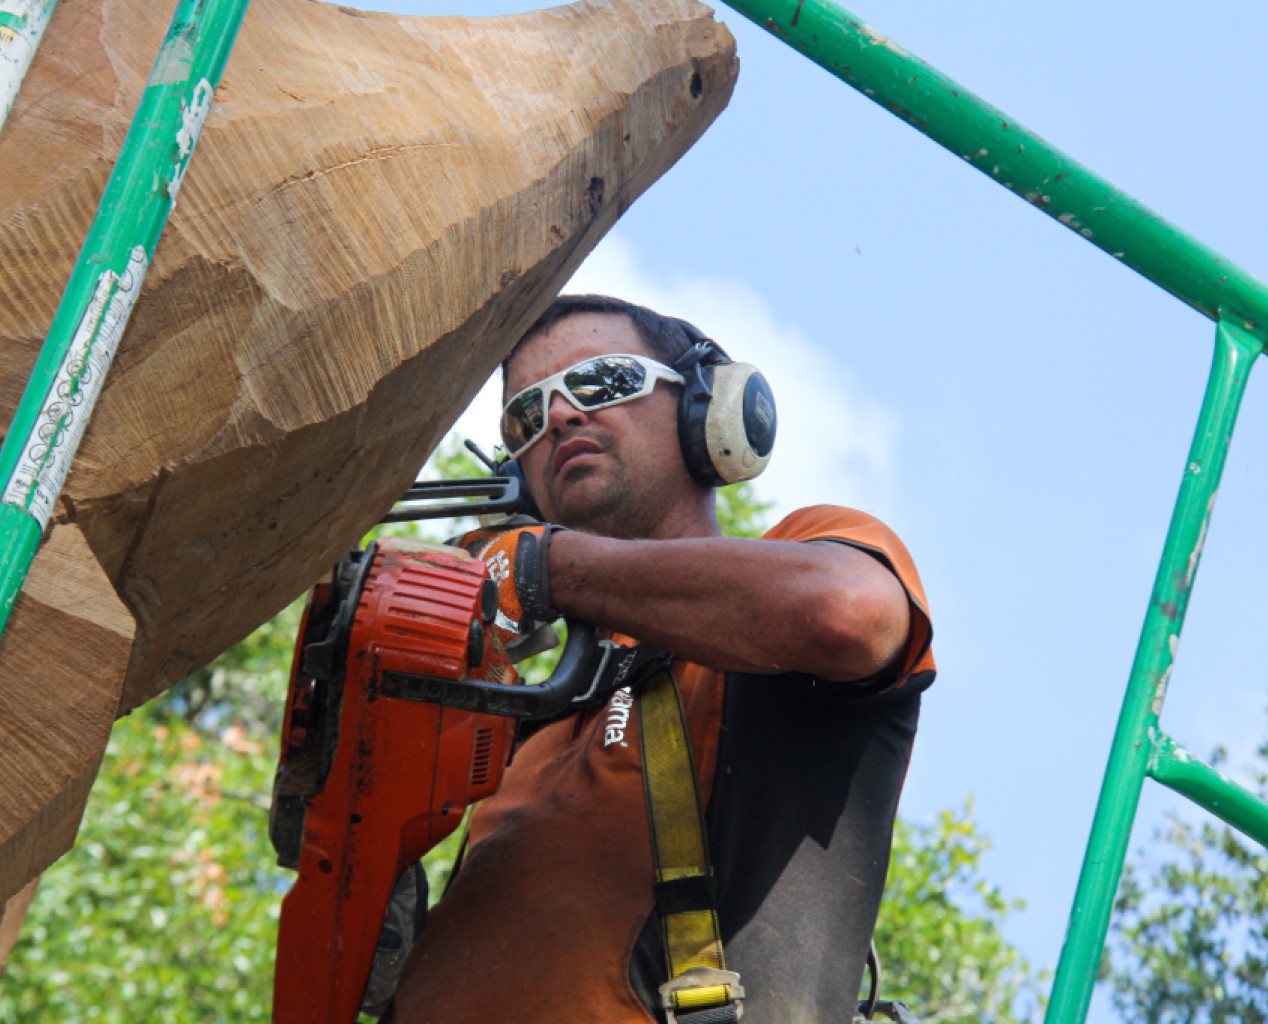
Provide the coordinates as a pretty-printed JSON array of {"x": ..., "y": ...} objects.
[{"x": 616, "y": 471}]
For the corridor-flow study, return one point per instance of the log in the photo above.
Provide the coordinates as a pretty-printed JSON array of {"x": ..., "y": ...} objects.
[
  {"x": 378, "y": 206},
  {"x": 11, "y": 918},
  {"x": 60, "y": 677}
]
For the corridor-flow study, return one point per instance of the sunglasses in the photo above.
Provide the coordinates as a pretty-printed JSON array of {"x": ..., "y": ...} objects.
[{"x": 590, "y": 384}]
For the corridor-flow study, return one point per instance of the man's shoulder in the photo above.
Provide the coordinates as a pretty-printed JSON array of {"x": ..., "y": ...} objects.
[
  {"x": 827, "y": 522},
  {"x": 866, "y": 532}
]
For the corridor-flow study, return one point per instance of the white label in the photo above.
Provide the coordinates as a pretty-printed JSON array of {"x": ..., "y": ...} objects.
[
  {"x": 41, "y": 470},
  {"x": 618, "y": 719}
]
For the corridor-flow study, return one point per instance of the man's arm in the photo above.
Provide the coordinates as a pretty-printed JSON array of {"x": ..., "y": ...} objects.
[{"x": 764, "y": 606}]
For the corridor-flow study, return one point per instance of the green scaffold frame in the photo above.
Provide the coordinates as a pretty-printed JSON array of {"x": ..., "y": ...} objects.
[
  {"x": 97, "y": 302},
  {"x": 1022, "y": 162}
]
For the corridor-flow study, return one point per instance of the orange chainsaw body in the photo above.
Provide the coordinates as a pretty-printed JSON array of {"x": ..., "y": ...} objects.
[{"x": 379, "y": 757}]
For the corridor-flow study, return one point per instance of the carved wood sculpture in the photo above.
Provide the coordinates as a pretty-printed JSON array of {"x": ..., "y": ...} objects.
[{"x": 378, "y": 206}]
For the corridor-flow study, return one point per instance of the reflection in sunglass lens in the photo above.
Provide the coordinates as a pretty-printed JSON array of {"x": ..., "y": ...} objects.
[
  {"x": 523, "y": 420},
  {"x": 604, "y": 380}
]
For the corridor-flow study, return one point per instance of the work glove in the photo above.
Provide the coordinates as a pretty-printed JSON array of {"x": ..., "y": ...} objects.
[
  {"x": 516, "y": 554},
  {"x": 403, "y": 923}
]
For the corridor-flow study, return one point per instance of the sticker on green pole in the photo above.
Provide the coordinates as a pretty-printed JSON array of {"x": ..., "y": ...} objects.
[{"x": 41, "y": 469}]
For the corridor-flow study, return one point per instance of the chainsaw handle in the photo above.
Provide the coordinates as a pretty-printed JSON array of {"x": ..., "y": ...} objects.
[{"x": 578, "y": 663}]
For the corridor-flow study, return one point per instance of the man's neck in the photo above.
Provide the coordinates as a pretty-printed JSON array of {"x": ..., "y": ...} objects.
[{"x": 671, "y": 523}]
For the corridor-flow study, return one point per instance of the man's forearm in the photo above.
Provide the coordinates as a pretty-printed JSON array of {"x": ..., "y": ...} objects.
[{"x": 738, "y": 605}]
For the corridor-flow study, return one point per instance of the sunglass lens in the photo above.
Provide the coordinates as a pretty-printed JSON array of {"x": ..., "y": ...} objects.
[
  {"x": 523, "y": 419},
  {"x": 605, "y": 380}
]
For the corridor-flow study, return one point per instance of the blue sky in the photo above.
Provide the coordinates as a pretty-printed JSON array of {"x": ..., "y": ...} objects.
[{"x": 1013, "y": 401}]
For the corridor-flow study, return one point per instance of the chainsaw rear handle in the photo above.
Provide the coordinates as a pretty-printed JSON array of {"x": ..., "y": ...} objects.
[{"x": 571, "y": 678}]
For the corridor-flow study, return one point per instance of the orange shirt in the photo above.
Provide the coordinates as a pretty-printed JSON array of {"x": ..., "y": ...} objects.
[{"x": 542, "y": 919}]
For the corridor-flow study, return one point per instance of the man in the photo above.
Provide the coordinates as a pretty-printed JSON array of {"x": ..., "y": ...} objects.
[{"x": 799, "y": 657}]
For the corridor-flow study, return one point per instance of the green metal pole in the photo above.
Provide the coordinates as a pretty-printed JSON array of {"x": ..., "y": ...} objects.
[
  {"x": 22, "y": 25},
  {"x": 1073, "y": 195},
  {"x": 106, "y": 280},
  {"x": 1181, "y": 771},
  {"x": 1013, "y": 156},
  {"x": 1235, "y": 353}
]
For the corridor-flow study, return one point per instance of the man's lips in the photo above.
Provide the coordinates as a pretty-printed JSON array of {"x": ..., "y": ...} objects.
[{"x": 573, "y": 449}]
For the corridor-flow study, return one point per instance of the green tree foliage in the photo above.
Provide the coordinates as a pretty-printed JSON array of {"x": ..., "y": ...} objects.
[
  {"x": 741, "y": 513},
  {"x": 1190, "y": 937},
  {"x": 167, "y": 907},
  {"x": 939, "y": 929}
]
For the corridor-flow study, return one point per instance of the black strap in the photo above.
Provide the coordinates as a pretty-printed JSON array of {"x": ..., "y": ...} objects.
[{"x": 679, "y": 895}]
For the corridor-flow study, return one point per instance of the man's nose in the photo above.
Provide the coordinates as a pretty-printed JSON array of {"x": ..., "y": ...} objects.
[{"x": 564, "y": 414}]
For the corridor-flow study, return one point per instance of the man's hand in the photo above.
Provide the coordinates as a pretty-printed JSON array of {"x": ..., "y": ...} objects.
[{"x": 516, "y": 556}]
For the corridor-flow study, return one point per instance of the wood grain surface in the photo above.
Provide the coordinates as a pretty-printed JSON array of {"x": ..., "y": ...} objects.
[{"x": 378, "y": 206}]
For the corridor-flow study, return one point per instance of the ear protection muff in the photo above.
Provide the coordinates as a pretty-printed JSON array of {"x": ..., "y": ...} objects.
[{"x": 726, "y": 416}]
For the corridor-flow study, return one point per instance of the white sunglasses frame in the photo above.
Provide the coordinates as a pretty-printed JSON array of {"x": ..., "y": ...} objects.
[{"x": 554, "y": 385}]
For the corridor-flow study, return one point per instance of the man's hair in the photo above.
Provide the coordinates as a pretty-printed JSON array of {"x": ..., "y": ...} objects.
[{"x": 667, "y": 337}]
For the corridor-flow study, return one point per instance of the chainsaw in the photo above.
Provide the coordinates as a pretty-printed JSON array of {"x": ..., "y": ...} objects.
[{"x": 401, "y": 713}]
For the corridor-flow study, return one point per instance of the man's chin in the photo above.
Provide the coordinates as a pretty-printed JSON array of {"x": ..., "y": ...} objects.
[{"x": 585, "y": 500}]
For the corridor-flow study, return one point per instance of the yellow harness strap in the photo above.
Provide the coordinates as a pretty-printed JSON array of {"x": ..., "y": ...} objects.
[{"x": 700, "y": 988}]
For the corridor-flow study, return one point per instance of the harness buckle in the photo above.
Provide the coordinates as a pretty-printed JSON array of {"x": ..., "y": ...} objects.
[{"x": 701, "y": 989}]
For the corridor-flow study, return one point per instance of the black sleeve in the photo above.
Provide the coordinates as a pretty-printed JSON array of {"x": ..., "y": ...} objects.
[{"x": 799, "y": 826}]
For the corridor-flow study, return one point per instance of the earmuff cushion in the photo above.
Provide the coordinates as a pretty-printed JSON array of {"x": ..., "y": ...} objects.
[{"x": 693, "y": 412}]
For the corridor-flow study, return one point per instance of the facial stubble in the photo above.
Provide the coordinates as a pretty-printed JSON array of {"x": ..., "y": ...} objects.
[{"x": 610, "y": 507}]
